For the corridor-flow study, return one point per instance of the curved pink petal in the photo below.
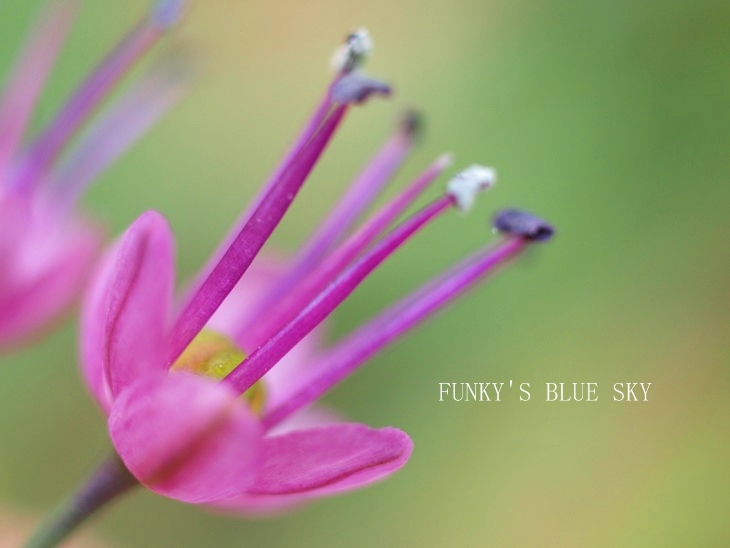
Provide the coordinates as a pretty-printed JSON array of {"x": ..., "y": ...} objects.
[
  {"x": 320, "y": 462},
  {"x": 125, "y": 317},
  {"x": 92, "y": 342},
  {"x": 287, "y": 374},
  {"x": 260, "y": 506},
  {"x": 311, "y": 417},
  {"x": 186, "y": 437}
]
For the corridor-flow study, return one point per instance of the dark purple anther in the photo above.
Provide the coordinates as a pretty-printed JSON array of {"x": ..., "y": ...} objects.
[
  {"x": 520, "y": 223},
  {"x": 356, "y": 88},
  {"x": 412, "y": 122}
]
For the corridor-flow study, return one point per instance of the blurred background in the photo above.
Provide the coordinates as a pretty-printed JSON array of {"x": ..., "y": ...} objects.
[{"x": 611, "y": 119}]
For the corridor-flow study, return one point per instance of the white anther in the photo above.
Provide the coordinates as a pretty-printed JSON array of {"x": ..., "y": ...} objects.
[
  {"x": 465, "y": 186},
  {"x": 354, "y": 52}
]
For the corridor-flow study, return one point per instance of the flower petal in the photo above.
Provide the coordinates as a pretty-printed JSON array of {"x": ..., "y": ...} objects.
[
  {"x": 92, "y": 343},
  {"x": 321, "y": 462},
  {"x": 125, "y": 316},
  {"x": 44, "y": 267},
  {"x": 311, "y": 417},
  {"x": 286, "y": 375},
  {"x": 186, "y": 437}
]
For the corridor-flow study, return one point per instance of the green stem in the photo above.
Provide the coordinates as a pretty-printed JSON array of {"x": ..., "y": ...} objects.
[{"x": 109, "y": 481}]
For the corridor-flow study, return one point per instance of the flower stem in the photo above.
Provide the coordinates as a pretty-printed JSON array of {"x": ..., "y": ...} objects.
[{"x": 109, "y": 481}]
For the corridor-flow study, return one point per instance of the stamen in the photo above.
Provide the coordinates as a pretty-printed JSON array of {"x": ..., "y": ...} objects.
[
  {"x": 239, "y": 256},
  {"x": 31, "y": 72},
  {"x": 465, "y": 186},
  {"x": 363, "y": 191},
  {"x": 41, "y": 155},
  {"x": 354, "y": 52},
  {"x": 360, "y": 44},
  {"x": 391, "y": 324},
  {"x": 263, "y": 326},
  {"x": 122, "y": 125},
  {"x": 356, "y": 88},
  {"x": 314, "y": 123},
  {"x": 321, "y": 112},
  {"x": 267, "y": 355}
]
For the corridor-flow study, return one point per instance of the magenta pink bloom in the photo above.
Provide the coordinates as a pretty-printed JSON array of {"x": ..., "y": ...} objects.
[
  {"x": 46, "y": 246},
  {"x": 212, "y": 397}
]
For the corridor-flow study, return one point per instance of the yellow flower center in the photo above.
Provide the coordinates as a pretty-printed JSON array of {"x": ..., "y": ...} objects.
[{"x": 214, "y": 355}]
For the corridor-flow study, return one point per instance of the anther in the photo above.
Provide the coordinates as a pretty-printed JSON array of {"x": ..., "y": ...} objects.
[
  {"x": 411, "y": 122},
  {"x": 525, "y": 225},
  {"x": 356, "y": 88},
  {"x": 465, "y": 186},
  {"x": 354, "y": 52}
]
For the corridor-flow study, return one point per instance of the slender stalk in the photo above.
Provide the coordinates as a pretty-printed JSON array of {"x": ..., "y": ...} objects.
[
  {"x": 261, "y": 360},
  {"x": 44, "y": 151},
  {"x": 361, "y": 193},
  {"x": 262, "y": 327},
  {"x": 108, "y": 482},
  {"x": 244, "y": 249},
  {"x": 521, "y": 229},
  {"x": 30, "y": 74},
  {"x": 119, "y": 128},
  {"x": 391, "y": 324}
]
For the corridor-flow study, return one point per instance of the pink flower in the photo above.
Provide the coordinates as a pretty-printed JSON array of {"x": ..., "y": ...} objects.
[
  {"x": 46, "y": 246},
  {"x": 195, "y": 418}
]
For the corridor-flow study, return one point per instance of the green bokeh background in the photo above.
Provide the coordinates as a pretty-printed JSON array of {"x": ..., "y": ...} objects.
[{"x": 611, "y": 119}]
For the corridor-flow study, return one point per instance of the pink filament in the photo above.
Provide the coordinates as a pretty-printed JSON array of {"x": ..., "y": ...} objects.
[
  {"x": 41, "y": 155},
  {"x": 267, "y": 355},
  {"x": 311, "y": 127},
  {"x": 361, "y": 194},
  {"x": 30, "y": 74},
  {"x": 263, "y": 326},
  {"x": 116, "y": 130},
  {"x": 249, "y": 241},
  {"x": 348, "y": 355}
]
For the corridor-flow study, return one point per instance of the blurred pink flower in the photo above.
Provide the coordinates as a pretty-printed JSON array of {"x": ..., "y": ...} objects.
[
  {"x": 196, "y": 419},
  {"x": 46, "y": 246}
]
